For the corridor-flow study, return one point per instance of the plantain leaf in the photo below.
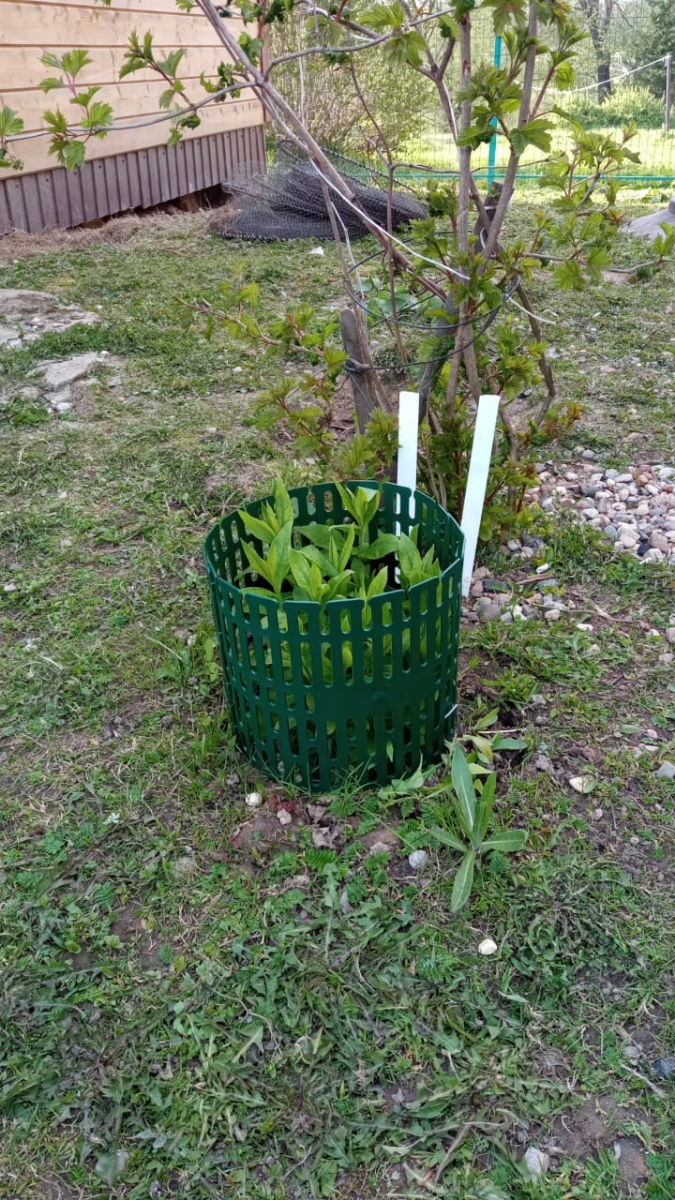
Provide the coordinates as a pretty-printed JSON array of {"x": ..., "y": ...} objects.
[
  {"x": 463, "y": 882},
  {"x": 484, "y": 809},
  {"x": 505, "y": 843},
  {"x": 447, "y": 839},
  {"x": 464, "y": 791}
]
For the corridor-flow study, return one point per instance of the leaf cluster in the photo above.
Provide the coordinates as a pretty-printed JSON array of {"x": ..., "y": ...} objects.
[{"x": 320, "y": 563}]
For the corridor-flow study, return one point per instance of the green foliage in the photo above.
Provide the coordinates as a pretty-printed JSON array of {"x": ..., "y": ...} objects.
[
  {"x": 471, "y": 799},
  {"x": 340, "y": 560},
  {"x": 299, "y": 403},
  {"x": 94, "y": 117},
  {"x": 11, "y": 124},
  {"x": 625, "y": 106}
]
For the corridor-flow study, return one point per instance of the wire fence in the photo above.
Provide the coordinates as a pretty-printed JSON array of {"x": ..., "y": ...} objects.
[{"x": 622, "y": 75}]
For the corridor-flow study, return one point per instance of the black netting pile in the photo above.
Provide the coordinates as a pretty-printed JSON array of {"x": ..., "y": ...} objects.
[{"x": 289, "y": 202}]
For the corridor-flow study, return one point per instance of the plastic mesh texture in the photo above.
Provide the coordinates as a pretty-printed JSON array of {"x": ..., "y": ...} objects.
[
  {"x": 317, "y": 693},
  {"x": 289, "y": 203}
]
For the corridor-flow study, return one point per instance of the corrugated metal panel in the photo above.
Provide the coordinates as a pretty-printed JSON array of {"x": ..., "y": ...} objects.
[{"x": 138, "y": 179}]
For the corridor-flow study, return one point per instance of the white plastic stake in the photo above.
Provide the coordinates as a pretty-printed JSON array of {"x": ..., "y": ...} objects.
[
  {"x": 479, "y": 469},
  {"x": 408, "y": 422}
]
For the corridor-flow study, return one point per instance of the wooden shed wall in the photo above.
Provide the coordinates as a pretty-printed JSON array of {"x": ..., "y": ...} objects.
[{"x": 130, "y": 167}]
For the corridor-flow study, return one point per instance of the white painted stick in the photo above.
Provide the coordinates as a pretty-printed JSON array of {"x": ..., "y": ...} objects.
[
  {"x": 408, "y": 422},
  {"x": 479, "y": 469}
]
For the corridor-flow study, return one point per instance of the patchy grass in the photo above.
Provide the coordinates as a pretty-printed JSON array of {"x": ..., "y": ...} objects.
[{"x": 187, "y": 1009}]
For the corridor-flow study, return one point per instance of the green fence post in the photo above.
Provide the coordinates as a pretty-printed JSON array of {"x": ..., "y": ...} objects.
[{"x": 492, "y": 153}]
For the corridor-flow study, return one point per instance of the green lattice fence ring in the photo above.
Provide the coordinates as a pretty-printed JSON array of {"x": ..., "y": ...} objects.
[{"x": 319, "y": 692}]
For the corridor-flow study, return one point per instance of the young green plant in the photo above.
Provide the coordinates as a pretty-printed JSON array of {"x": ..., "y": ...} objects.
[{"x": 472, "y": 804}]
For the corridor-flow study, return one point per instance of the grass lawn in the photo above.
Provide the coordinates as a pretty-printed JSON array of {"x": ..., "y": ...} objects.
[
  {"x": 188, "y": 1010},
  {"x": 434, "y": 147}
]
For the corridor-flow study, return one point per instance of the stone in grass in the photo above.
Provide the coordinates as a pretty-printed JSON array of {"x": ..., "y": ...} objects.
[
  {"x": 487, "y": 610},
  {"x": 418, "y": 859},
  {"x": 487, "y": 947},
  {"x": 58, "y": 375},
  {"x": 535, "y": 1163},
  {"x": 666, "y": 770},
  {"x": 664, "y": 1068},
  {"x": 185, "y": 866}
]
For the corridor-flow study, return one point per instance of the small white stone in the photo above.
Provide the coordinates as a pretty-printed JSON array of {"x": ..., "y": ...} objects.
[
  {"x": 184, "y": 866},
  {"x": 487, "y": 947},
  {"x": 666, "y": 770},
  {"x": 284, "y": 817},
  {"x": 584, "y": 627},
  {"x": 418, "y": 859},
  {"x": 253, "y": 800},
  {"x": 535, "y": 1163},
  {"x": 670, "y": 635},
  {"x": 552, "y": 614},
  {"x": 9, "y": 587},
  {"x": 582, "y": 784},
  {"x": 318, "y": 251},
  {"x": 597, "y": 814}
]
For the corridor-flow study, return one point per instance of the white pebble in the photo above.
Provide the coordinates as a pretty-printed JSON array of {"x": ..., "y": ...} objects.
[
  {"x": 535, "y": 1163},
  {"x": 284, "y": 817},
  {"x": 487, "y": 947},
  {"x": 253, "y": 800},
  {"x": 418, "y": 859}
]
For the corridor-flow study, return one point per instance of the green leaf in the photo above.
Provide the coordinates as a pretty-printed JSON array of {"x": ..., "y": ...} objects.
[
  {"x": 343, "y": 549},
  {"x": 10, "y": 122},
  {"x": 300, "y": 568},
  {"x": 509, "y": 743},
  {"x": 51, "y": 84},
  {"x": 257, "y": 563},
  {"x": 484, "y": 808},
  {"x": 283, "y": 505},
  {"x": 319, "y": 535},
  {"x": 386, "y": 543},
  {"x": 260, "y": 529},
  {"x": 506, "y": 13},
  {"x": 73, "y": 62},
  {"x": 69, "y": 152},
  {"x": 463, "y": 882},
  {"x": 279, "y": 557},
  {"x": 569, "y": 277},
  {"x": 384, "y": 16},
  {"x": 447, "y": 839},
  {"x": 166, "y": 98},
  {"x": 99, "y": 118},
  {"x": 464, "y": 790},
  {"x": 564, "y": 76},
  {"x": 84, "y": 99},
  {"x": 313, "y": 554},
  {"x": 51, "y": 60},
  {"x": 377, "y": 584},
  {"x": 532, "y": 133},
  {"x": 505, "y": 843}
]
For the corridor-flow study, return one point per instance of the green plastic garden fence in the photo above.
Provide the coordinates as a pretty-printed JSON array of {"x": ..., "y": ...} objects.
[{"x": 320, "y": 692}]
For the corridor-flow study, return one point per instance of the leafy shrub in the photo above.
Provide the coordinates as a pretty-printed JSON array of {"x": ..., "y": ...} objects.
[{"x": 626, "y": 106}]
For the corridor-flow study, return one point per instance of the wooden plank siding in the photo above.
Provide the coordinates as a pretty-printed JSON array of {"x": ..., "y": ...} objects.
[{"x": 129, "y": 168}]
